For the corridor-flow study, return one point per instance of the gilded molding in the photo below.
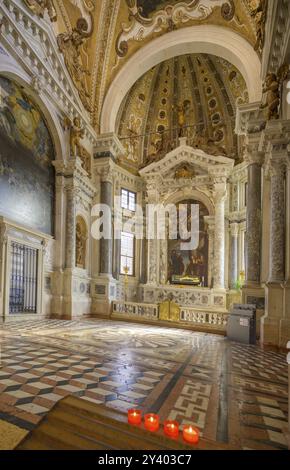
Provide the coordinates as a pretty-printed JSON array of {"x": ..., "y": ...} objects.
[{"x": 139, "y": 27}]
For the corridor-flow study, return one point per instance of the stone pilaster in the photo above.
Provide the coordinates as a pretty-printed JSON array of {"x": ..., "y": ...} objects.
[
  {"x": 106, "y": 245},
  {"x": 210, "y": 221},
  {"x": 234, "y": 233},
  {"x": 285, "y": 323},
  {"x": 163, "y": 262},
  {"x": 219, "y": 236},
  {"x": 70, "y": 238}
]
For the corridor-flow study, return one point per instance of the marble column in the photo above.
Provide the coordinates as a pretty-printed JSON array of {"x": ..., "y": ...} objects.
[
  {"x": 277, "y": 227},
  {"x": 254, "y": 229},
  {"x": 144, "y": 253},
  {"x": 234, "y": 233},
  {"x": 272, "y": 322},
  {"x": 106, "y": 246},
  {"x": 70, "y": 227},
  {"x": 219, "y": 237}
]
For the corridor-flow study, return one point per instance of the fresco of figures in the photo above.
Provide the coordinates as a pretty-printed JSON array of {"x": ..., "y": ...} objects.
[{"x": 26, "y": 153}]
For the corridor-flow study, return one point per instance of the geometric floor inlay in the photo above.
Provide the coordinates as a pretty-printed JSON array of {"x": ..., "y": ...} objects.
[{"x": 232, "y": 392}]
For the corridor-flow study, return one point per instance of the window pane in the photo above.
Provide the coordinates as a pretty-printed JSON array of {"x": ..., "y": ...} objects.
[
  {"x": 132, "y": 201},
  {"x": 127, "y": 244},
  {"x": 128, "y": 200},
  {"x": 124, "y": 199}
]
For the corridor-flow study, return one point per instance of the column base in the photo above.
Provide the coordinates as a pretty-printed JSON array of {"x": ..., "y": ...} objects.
[
  {"x": 271, "y": 321},
  {"x": 286, "y": 306},
  {"x": 253, "y": 293}
]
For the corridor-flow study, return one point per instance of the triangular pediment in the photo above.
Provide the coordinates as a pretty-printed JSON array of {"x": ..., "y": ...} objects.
[{"x": 190, "y": 157}]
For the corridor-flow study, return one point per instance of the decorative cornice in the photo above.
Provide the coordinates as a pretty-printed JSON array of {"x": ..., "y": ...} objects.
[
  {"x": 250, "y": 119},
  {"x": 73, "y": 173},
  {"x": 108, "y": 144}
]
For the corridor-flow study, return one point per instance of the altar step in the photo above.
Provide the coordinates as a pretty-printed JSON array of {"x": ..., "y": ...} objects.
[{"x": 77, "y": 424}]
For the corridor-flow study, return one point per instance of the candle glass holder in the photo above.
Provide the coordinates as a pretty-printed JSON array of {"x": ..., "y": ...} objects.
[
  {"x": 190, "y": 434},
  {"x": 171, "y": 429},
  {"x": 151, "y": 422},
  {"x": 134, "y": 416}
]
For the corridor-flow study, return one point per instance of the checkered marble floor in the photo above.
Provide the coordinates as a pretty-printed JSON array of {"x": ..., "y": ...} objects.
[{"x": 232, "y": 392}]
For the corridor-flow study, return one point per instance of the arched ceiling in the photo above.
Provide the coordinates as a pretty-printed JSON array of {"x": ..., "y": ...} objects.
[
  {"x": 198, "y": 92},
  {"x": 118, "y": 28}
]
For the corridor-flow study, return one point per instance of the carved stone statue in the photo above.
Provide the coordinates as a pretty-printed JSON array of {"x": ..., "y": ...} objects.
[
  {"x": 86, "y": 160},
  {"x": 260, "y": 16},
  {"x": 80, "y": 246},
  {"x": 70, "y": 45},
  {"x": 76, "y": 134},
  {"x": 38, "y": 7},
  {"x": 272, "y": 88}
]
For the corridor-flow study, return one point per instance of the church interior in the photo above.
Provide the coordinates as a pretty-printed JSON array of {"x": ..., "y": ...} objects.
[{"x": 107, "y": 108}]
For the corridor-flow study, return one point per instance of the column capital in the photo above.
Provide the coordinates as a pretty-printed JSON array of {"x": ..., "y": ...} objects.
[
  {"x": 276, "y": 137},
  {"x": 219, "y": 192},
  {"x": 210, "y": 221},
  {"x": 152, "y": 185},
  {"x": 253, "y": 155},
  {"x": 234, "y": 229}
]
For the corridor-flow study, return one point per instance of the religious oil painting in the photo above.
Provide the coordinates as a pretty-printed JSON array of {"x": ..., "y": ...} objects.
[
  {"x": 26, "y": 155},
  {"x": 189, "y": 266}
]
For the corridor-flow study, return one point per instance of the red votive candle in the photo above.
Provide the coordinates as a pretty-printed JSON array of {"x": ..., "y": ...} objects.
[
  {"x": 190, "y": 434},
  {"x": 171, "y": 428},
  {"x": 151, "y": 422},
  {"x": 134, "y": 416}
]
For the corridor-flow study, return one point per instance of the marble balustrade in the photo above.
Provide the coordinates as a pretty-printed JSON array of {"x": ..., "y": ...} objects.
[{"x": 212, "y": 320}]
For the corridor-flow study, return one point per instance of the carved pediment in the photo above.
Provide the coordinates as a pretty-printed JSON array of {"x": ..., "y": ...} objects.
[{"x": 188, "y": 162}]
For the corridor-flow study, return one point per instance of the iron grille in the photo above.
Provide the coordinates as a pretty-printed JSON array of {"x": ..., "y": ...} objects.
[{"x": 23, "y": 280}]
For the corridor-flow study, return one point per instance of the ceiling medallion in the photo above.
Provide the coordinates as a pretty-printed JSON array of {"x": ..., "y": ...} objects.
[{"x": 167, "y": 19}]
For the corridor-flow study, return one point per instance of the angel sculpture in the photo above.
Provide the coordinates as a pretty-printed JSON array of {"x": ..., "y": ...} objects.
[
  {"x": 70, "y": 45},
  {"x": 272, "y": 89}
]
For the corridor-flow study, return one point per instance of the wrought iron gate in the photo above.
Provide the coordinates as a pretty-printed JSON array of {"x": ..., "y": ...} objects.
[{"x": 23, "y": 279}]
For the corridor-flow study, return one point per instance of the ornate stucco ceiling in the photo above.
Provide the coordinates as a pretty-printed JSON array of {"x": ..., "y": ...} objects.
[
  {"x": 197, "y": 92},
  {"x": 116, "y": 29}
]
